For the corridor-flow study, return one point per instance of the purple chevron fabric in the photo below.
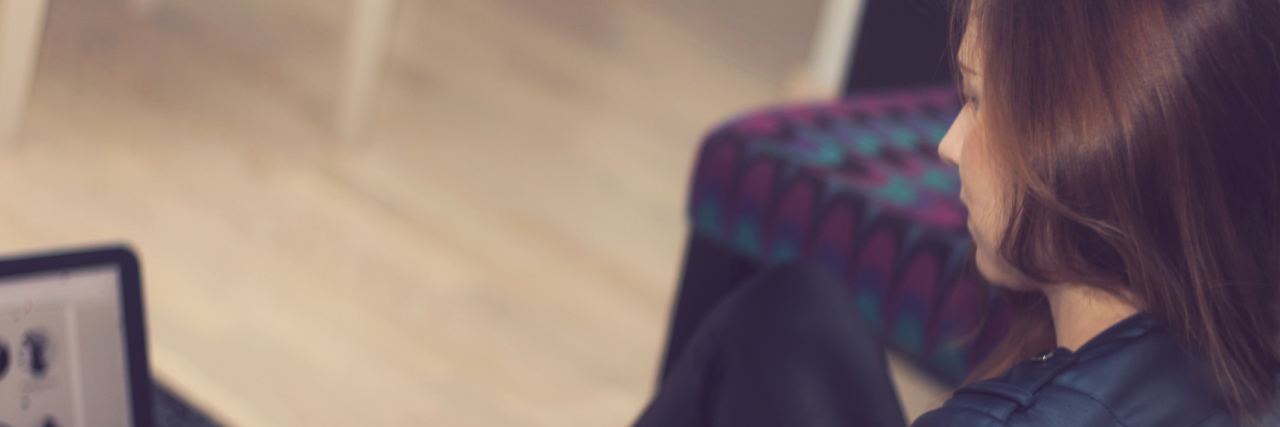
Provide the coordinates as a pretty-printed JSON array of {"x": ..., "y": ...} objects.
[{"x": 856, "y": 186}]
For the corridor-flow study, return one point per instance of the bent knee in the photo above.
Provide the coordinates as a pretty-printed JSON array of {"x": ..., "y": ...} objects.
[{"x": 794, "y": 299}]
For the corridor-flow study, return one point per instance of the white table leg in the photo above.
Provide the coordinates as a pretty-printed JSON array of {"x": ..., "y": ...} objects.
[
  {"x": 832, "y": 43},
  {"x": 21, "y": 27},
  {"x": 363, "y": 61}
]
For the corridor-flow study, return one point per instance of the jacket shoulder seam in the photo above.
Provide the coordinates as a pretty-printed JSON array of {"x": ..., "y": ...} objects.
[
  {"x": 997, "y": 420},
  {"x": 1092, "y": 398},
  {"x": 1201, "y": 420}
]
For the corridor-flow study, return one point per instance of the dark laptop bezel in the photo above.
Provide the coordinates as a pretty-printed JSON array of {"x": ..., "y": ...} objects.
[{"x": 135, "y": 333}]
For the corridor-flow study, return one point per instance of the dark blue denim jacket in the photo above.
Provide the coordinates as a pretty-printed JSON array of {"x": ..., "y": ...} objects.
[{"x": 1130, "y": 375}]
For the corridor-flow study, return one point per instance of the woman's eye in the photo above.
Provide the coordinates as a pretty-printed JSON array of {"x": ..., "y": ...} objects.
[{"x": 972, "y": 101}]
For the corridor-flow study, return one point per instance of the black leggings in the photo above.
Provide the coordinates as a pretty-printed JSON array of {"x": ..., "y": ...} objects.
[{"x": 786, "y": 348}]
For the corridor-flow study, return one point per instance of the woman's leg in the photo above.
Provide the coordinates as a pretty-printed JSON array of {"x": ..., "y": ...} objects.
[{"x": 788, "y": 348}]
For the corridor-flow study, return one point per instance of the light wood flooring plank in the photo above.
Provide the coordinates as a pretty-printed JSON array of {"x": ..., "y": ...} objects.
[{"x": 501, "y": 249}]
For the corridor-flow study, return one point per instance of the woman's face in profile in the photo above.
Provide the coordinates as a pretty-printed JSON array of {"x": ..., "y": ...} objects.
[{"x": 980, "y": 187}]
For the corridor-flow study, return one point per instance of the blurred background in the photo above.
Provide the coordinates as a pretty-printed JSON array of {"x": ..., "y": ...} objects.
[{"x": 492, "y": 240}]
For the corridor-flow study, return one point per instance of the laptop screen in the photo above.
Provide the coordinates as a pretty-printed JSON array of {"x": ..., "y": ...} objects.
[{"x": 62, "y": 349}]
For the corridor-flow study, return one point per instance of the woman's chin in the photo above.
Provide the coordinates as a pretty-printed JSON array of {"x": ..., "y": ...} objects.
[
  {"x": 1000, "y": 274},
  {"x": 1014, "y": 286}
]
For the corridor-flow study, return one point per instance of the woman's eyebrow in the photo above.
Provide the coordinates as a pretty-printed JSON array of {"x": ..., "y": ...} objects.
[{"x": 965, "y": 68}]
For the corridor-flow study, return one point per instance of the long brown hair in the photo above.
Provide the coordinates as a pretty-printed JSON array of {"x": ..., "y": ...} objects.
[{"x": 1142, "y": 141}]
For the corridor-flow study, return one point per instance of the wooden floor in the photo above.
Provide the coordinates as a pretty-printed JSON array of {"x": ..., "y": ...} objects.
[{"x": 500, "y": 250}]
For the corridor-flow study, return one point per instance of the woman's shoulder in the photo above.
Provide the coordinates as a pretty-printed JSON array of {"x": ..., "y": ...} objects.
[
  {"x": 1028, "y": 394},
  {"x": 1130, "y": 375}
]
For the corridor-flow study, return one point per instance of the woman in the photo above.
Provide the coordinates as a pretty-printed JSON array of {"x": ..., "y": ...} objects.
[{"x": 1120, "y": 160}]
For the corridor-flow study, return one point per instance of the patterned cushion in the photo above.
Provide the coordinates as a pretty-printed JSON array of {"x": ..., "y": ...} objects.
[{"x": 857, "y": 186}]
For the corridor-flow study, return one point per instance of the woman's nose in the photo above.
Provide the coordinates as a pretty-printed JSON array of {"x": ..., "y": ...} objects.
[
  {"x": 946, "y": 155},
  {"x": 949, "y": 148}
]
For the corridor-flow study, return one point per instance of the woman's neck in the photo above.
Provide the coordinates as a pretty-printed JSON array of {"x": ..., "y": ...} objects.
[{"x": 1082, "y": 312}]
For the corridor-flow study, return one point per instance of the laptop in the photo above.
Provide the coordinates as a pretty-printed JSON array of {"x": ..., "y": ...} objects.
[{"x": 72, "y": 342}]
